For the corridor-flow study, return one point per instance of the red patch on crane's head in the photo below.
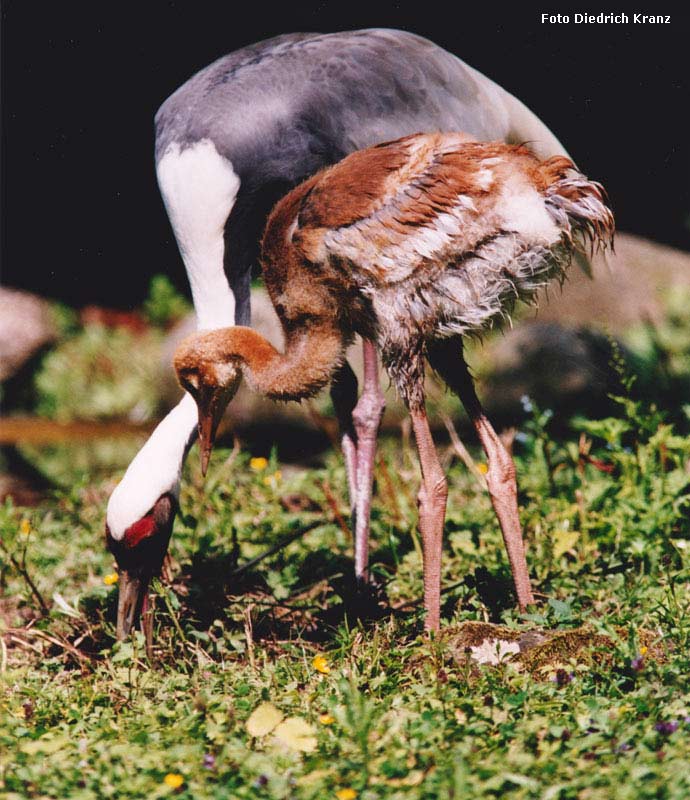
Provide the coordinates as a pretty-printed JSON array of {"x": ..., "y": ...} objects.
[
  {"x": 145, "y": 543},
  {"x": 142, "y": 529}
]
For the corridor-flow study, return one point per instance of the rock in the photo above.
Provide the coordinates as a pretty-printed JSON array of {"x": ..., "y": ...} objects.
[
  {"x": 624, "y": 291},
  {"x": 493, "y": 651},
  {"x": 26, "y": 326},
  {"x": 563, "y": 368},
  {"x": 561, "y": 355},
  {"x": 542, "y": 653}
]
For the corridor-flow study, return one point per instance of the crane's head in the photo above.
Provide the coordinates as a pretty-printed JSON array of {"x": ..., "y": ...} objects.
[
  {"x": 139, "y": 551},
  {"x": 212, "y": 378}
]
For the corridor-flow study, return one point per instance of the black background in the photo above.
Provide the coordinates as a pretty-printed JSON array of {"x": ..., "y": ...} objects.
[{"x": 82, "y": 218}]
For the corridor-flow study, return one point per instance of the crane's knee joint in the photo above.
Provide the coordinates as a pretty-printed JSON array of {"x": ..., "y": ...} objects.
[
  {"x": 439, "y": 489},
  {"x": 433, "y": 490},
  {"x": 368, "y": 412},
  {"x": 501, "y": 475}
]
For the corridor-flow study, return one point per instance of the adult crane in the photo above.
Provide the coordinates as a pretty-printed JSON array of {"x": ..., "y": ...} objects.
[{"x": 229, "y": 143}]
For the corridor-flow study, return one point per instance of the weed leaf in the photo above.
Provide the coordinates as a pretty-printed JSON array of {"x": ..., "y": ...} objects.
[
  {"x": 297, "y": 734},
  {"x": 263, "y": 720}
]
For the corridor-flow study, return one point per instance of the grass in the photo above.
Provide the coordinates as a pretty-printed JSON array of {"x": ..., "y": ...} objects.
[{"x": 274, "y": 679}]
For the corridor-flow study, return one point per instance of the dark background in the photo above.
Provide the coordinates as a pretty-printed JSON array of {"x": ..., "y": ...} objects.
[{"x": 82, "y": 218}]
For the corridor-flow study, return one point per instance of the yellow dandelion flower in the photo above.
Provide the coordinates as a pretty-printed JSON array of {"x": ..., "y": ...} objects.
[
  {"x": 643, "y": 650},
  {"x": 346, "y": 794},
  {"x": 174, "y": 780},
  {"x": 326, "y": 719},
  {"x": 25, "y": 527},
  {"x": 320, "y": 665},
  {"x": 111, "y": 579},
  {"x": 271, "y": 480},
  {"x": 483, "y": 468},
  {"x": 258, "y": 464}
]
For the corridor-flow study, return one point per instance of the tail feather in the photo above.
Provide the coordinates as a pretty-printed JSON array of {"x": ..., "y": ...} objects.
[{"x": 580, "y": 207}]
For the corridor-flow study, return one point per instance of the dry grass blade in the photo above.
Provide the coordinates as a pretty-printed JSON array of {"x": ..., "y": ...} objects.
[
  {"x": 388, "y": 490},
  {"x": 333, "y": 505},
  {"x": 461, "y": 451},
  {"x": 45, "y": 608},
  {"x": 56, "y": 640}
]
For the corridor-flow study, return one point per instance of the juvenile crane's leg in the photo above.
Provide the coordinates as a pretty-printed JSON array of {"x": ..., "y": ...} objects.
[
  {"x": 446, "y": 358},
  {"x": 366, "y": 418},
  {"x": 359, "y": 425},
  {"x": 432, "y": 498}
]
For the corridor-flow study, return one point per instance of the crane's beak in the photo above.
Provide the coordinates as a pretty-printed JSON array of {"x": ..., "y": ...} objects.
[
  {"x": 132, "y": 598},
  {"x": 140, "y": 554},
  {"x": 212, "y": 378},
  {"x": 211, "y": 410},
  {"x": 211, "y": 403},
  {"x": 133, "y": 605}
]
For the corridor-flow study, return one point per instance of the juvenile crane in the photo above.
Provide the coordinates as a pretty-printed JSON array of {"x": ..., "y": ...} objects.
[
  {"x": 232, "y": 140},
  {"x": 411, "y": 244}
]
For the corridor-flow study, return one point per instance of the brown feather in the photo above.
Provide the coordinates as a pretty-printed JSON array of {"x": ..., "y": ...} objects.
[{"x": 409, "y": 241}]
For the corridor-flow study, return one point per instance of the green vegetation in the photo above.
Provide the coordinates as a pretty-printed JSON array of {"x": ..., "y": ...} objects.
[
  {"x": 97, "y": 372},
  {"x": 273, "y": 679},
  {"x": 100, "y": 373},
  {"x": 660, "y": 353},
  {"x": 165, "y": 305}
]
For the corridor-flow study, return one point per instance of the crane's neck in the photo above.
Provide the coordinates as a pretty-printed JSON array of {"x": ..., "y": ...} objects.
[
  {"x": 156, "y": 469},
  {"x": 199, "y": 188},
  {"x": 311, "y": 355}
]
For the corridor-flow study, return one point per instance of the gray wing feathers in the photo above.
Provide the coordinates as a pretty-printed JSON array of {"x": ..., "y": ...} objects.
[{"x": 347, "y": 90}]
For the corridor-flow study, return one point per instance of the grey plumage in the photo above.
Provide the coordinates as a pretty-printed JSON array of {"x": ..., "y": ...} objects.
[
  {"x": 330, "y": 94},
  {"x": 281, "y": 109}
]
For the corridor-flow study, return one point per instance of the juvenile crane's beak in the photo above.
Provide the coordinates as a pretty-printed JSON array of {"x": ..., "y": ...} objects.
[
  {"x": 204, "y": 371},
  {"x": 211, "y": 402},
  {"x": 211, "y": 408}
]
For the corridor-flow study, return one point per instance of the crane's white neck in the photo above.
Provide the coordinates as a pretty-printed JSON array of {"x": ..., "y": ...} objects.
[
  {"x": 199, "y": 188},
  {"x": 155, "y": 470}
]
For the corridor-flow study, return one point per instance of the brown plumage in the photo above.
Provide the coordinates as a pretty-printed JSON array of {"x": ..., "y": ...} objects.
[{"x": 410, "y": 244}]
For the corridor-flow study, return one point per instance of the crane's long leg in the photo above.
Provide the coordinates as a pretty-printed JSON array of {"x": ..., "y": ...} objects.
[
  {"x": 432, "y": 498},
  {"x": 359, "y": 424},
  {"x": 446, "y": 358},
  {"x": 366, "y": 418}
]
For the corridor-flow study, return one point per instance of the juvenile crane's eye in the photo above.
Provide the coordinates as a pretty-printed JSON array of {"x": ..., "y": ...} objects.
[{"x": 190, "y": 382}]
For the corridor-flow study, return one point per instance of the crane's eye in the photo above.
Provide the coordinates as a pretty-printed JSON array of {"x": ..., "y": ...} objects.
[{"x": 190, "y": 382}]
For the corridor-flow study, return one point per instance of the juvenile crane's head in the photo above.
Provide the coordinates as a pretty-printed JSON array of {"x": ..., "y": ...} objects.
[{"x": 212, "y": 378}]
